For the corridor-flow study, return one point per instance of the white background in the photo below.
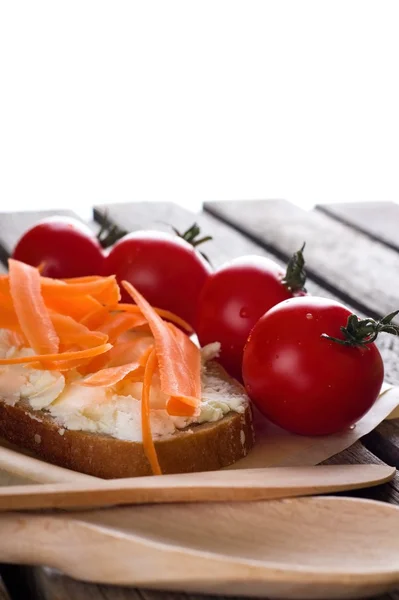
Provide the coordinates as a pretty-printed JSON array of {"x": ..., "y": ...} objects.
[{"x": 190, "y": 101}]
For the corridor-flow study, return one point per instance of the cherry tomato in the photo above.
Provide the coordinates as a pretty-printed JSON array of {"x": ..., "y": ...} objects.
[
  {"x": 235, "y": 297},
  {"x": 62, "y": 246},
  {"x": 308, "y": 383},
  {"x": 166, "y": 269}
]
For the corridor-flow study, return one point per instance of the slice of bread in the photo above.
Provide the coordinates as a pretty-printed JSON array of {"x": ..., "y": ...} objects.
[{"x": 199, "y": 447}]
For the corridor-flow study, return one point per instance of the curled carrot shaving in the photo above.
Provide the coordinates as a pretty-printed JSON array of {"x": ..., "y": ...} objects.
[
  {"x": 4, "y": 285},
  {"x": 118, "y": 323},
  {"x": 165, "y": 314},
  {"x": 95, "y": 318},
  {"x": 95, "y": 364},
  {"x": 59, "y": 356},
  {"x": 8, "y": 318},
  {"x": 77, "y": 308},
  {"x": 179, "y": 360},
  {"x": 145, "y": 356},
  {"x": 133, "y": 350},
  {"x": 6, "y": 300},
  {"x": 84, "y": 279},
  {"x": 71, "y": 332},
  {"x": 112, "y": 375},
  {"x": 30, "y": 309},
  {"x": 104, "y": 289},
  {"x": 148, "y": 442},
  {"x": 60, "y": 365}
]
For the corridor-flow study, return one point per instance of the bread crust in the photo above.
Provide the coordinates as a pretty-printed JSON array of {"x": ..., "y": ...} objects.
[{"x": 205, "y": 447}]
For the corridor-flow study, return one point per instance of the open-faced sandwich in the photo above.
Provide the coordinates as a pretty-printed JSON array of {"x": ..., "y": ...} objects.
[{"x": 111, "y": 389}]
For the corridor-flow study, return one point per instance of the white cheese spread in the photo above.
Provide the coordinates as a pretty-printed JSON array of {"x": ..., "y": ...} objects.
[{"x": 106, "y": 410}]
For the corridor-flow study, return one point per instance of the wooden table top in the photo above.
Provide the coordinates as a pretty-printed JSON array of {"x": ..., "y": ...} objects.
[{"x": 352, "y": 254}]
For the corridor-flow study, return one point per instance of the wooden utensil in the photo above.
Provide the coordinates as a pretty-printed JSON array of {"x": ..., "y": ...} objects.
[
  {"x": 243, "y": 485},
  {"x": 298, "y": 548}
]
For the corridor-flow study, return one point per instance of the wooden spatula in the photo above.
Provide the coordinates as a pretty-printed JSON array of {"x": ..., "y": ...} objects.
[
  {"x": 215, "y": 486},
  {"x": 320, "y": 547}
]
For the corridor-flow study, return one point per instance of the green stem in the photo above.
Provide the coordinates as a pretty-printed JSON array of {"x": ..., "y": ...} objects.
[
  {"x": 360, "y": 332},
  {"x": 295, "y": 276},
  {"x": 109, "y": 233},
  {"x": 191, "y": 235}
]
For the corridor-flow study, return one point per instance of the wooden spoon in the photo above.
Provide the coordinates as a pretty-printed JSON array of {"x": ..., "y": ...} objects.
[
  {"x": 240, "y": 485},
  {"x": 297, "y": 548}
]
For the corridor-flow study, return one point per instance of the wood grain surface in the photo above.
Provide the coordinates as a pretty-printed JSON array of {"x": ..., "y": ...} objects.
[
  {"x": 361, "y": 271},
  {"x": 3, "y": 592},
  {"x": 377, "y": 220},
  {"x": 54, "y": 586},
  {"x": 275, "y": 241}
]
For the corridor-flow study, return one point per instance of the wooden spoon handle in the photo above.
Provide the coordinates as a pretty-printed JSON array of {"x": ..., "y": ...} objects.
[{"x": 235, "y": 485}]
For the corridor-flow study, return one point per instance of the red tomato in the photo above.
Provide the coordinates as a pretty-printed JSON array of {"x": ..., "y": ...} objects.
[
  {"x": 63, "y": 246},
  {"x": 304, "y": 382},
  {"x": 233, "y": 300},
  {"x": 164, "y": 268}
]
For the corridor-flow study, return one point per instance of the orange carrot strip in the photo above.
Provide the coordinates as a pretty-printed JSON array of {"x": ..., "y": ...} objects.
[
  {"x": 95, "y": 318},
  {"x": 165, "y": 314},
  {"x": 176, "y": 408},
  {"x": 111, "y": 376},
  {"x": 95, "y": 364},
  {"x": 59, "y": 365},
  {"x": 145, "y": 356},
  {"x": 8, "y": 317},
  {"x": 148, "y": 442},
  {"x": 6, "y": 300},
  {"x": 71, "y": 332},
  {"x": 105, "y": 289},
  {"x": 179, "y": 359},
  {"x": 77, "y": 308},
  {"x": 58, "y": 356},
  {"x": 31, "y": 311},
  {"x": 130, "y": 351},
  {"x": 5, "y": 285},
  {"x": 119, "y": 323},
  {"x": 84, "y": 279},
  {"x": 8, "y": 320}
]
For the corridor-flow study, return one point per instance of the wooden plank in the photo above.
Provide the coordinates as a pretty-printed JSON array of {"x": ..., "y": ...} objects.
[
  {"x": 3, "y": 592},
  {"x": 48, "y": 584},
  {"x": 54, "y": 586},
  {"x": 362, "y": 272},
  {"x": 13, "y": 225},
  {"x": 17, "y": 582},
  {"x": 384, "y": 442},
  {"x": 388, "y": 492},
  {"x": 378, "y": 220}
]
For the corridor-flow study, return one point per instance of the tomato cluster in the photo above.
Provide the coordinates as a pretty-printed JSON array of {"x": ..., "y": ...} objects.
[{"x": 308, "y": 364}]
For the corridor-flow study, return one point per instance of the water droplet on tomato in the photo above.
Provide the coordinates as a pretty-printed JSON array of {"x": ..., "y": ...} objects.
[
  {"x": 351, "y": 427},
  {"x": 309, "y": 316}
]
